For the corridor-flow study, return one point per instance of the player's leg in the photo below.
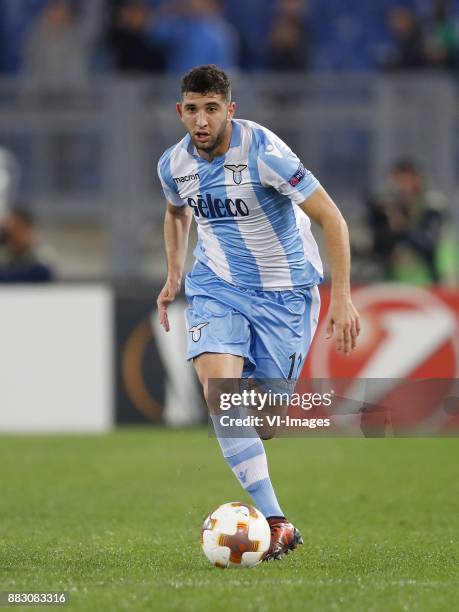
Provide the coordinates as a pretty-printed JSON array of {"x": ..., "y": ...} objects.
[
  {"x": 280, "y": 348},
  {"x": 241, "y": 447},
  {"x": 283, "y": 327},
  {"x": 219, "y": 342}
]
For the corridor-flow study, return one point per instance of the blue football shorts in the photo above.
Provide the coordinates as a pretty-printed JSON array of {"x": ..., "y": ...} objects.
[{"x": 271, "y": 330}]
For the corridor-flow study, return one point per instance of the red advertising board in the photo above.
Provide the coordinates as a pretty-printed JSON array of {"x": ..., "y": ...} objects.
[
  {"x": 407, "y": 332},
  {"x": 406, "y": 365}
]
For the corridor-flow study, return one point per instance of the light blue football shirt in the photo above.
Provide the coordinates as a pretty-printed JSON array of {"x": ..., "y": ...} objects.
[{"x": 251, "y": 231}]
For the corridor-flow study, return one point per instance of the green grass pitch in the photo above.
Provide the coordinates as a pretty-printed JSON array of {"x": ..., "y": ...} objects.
[{"x": 115, "y": 519}]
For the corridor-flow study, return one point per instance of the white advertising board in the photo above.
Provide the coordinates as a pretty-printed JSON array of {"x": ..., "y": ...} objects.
[{"x": 56, "y": 359}]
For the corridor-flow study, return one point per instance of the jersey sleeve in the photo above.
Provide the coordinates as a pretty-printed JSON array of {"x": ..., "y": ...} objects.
[
  {"x": 167, "y": 182},
  {"x": 280, "y": 168}
]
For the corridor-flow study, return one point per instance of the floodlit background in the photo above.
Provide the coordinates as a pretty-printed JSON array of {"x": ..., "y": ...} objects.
[{"x": 366, "y": 94}]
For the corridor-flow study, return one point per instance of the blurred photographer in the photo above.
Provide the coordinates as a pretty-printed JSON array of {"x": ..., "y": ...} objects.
[
  {"x": 21, "y": 259},
  {"x": 407, "y": 223}
]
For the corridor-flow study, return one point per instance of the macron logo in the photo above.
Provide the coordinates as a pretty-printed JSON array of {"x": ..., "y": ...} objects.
[
  {"x": 185, "y": 179},
  {"x": 243, "y": 476}
]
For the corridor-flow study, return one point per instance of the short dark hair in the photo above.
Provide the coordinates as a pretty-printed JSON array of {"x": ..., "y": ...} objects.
[
  {"x": 207, "y": 79},
  {"x": 23, "y": 213},
  {"x": 402, "y": 166}
]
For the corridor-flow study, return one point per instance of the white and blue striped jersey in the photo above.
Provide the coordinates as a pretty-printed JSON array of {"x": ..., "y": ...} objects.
[{"x": 251, "y": 231}]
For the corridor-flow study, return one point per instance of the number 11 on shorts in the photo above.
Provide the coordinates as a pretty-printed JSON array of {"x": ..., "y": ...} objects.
[{"x": 294, "y": 362}]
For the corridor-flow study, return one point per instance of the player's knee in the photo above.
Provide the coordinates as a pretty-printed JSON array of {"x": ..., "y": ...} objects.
[
  {"x": 218, "y": 393},
  {"x": 205, "y": 390},
  {"x": 212, "y": 394}
]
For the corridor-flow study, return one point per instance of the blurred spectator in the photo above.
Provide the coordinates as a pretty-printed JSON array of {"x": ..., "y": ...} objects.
[
  {"x": 133, "y": 50},
  {"x": 409, "y": 50},
  {"x": 253, "y": 21},
  {"x": 407, "y": 223},
  {"x": 9, "y": 179},
  {"x": 290, "y": 37},
  {"x": 442, "y": 39},
  {"x": 57, "y": 49},
  {"x": 21, "y": 259},
  {"x": 197, "y": 34}
]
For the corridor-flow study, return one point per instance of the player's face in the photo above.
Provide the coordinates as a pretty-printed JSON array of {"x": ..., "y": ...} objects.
[
  {"x": 207, "y": 119},
  {"x": 406, "y": 183}
]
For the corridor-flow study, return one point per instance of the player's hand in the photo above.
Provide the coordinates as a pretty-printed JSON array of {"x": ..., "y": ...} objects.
[
  {"x": 167, "y": 296},
  {"x": 343, "y": 323}
]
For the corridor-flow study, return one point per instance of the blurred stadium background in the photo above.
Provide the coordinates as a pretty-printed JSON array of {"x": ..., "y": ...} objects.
[{"x": 87, "y": 97}]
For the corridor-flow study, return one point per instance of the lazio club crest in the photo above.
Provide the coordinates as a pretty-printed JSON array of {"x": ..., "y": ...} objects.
[
  {"x": 196, "y": 331},
  {"x": 237, "y": 171}
]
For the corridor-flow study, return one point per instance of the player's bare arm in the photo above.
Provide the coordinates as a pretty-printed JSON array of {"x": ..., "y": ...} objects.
[
  {"x": 176, "y": 231},
  {"x": 342, "y": 318}
]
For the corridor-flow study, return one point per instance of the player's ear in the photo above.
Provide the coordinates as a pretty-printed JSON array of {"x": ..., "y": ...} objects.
[
  {"x": 231, "y": 110},
  {"x": 179, "y": 109}
]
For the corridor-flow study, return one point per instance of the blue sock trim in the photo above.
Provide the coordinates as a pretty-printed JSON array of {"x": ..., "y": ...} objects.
[
  {"x": 254, "y": 450},
  {"x": 257, "y": 485}
]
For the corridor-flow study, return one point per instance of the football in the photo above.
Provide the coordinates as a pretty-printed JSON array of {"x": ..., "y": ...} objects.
[{"x": 235, "y": 535}]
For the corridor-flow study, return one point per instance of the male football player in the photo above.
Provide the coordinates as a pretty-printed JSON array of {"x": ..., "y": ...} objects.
[{"x": 253, "y": 297}]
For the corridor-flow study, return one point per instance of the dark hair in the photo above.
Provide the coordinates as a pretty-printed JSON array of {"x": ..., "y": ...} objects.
[
  {"x": 22, "y": 213},
  {"x": 68, "y": 4},
  {"x": 207, "y": 79},
  {"x": 404, "y": 166}
]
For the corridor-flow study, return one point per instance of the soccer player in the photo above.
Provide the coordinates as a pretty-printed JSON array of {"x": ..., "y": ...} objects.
[{"x": 253, "y": 297}]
